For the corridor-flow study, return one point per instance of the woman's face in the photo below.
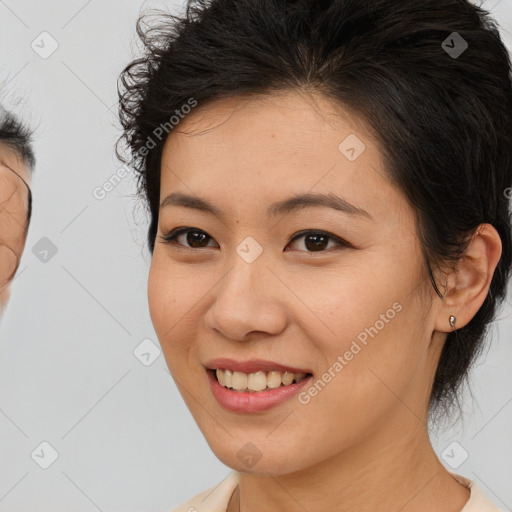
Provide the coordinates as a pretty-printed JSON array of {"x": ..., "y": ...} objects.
[{"x": 346, "y": 305}]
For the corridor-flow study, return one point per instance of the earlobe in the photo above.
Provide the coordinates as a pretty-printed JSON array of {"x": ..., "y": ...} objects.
[{"x": 468, "y": 285}]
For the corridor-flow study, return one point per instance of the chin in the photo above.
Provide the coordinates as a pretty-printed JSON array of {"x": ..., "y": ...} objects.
[{"x": 245, "y": 457}]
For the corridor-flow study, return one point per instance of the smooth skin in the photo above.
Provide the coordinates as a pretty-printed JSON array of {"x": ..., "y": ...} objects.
[
  {"x": 361, "y": 443},
  {"x": 14, "y": 180}
]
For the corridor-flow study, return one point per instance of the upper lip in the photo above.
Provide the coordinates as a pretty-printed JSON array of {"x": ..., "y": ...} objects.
[{"x": 251, "y": 366}]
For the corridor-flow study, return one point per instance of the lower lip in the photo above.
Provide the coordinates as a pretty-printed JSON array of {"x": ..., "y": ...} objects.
[{"x": 245, "y": 402}]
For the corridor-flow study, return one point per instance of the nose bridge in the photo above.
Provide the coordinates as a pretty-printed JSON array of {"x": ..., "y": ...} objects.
[
  {"x": 248, "y": 267},
  {"x": 243, "y": 302}
]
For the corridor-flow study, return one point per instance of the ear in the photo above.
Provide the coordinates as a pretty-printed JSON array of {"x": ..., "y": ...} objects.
[{"x": 467, "y": 286}]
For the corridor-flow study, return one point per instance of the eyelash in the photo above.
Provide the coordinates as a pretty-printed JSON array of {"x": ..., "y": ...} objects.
[{"x": 171, "y": 238}]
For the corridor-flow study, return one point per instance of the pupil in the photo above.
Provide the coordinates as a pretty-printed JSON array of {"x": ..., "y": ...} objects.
[
  {"x": 194, "y": 242},
  {"x": 319, "y": 242}
]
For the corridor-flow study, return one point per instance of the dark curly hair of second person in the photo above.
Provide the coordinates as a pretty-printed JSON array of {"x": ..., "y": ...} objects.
[{"x": 444, "y": 124}]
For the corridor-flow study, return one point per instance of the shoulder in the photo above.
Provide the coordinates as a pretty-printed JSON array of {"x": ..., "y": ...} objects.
[
  {"x": 214, "y": 499},
  {"x": 478, "y": 501}
]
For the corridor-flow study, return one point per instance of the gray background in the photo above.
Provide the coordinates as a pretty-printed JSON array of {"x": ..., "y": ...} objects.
[{"x": 68, "y": 373}]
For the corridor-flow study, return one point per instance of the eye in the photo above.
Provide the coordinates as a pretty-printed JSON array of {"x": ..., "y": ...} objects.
[
  {"x": 193, "y": 236},
  {"x": 315, "y": 241}
]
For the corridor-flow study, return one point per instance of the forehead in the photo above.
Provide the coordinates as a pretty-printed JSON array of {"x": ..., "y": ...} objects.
[{"x": 255, "y": 147}]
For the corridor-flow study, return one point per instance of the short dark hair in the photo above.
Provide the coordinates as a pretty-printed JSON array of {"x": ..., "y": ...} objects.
[
  {"x": 444, "y": 121},
  {"x": 18, "y": 136}
]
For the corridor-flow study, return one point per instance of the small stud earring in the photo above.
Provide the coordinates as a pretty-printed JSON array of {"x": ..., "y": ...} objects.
[{"x": 452, "y": 321}]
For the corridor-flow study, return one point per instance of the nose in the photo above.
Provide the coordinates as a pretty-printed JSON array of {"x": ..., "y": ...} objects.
[{"x": 248, "y": 301}]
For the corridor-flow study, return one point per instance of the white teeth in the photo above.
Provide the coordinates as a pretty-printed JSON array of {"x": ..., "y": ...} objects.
[
  {"x": 239, "y": 381},
  {"x": 221, "y": 377},
  {"x": 274, "y": 379},
  {"x": 287, "y": 379},
  {"x": 258, "y": 381}
]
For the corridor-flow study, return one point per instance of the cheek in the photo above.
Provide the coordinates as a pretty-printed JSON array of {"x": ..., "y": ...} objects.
[
  {"x": 163, "y": 300},
  {"x": 155, "y": 292},
  {"x": 345, "y": 302},
  {"x": 173, "y": 302},
  {"x": 362, "y": 322}
]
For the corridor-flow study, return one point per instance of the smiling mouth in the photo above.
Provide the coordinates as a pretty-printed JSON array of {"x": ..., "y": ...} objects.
[{"x": 256, "y": 382}]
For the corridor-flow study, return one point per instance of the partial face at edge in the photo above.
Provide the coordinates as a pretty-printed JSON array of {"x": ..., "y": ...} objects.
[
  {"x": 297, "y": 303},
  {"x": 14, "y": 220}
]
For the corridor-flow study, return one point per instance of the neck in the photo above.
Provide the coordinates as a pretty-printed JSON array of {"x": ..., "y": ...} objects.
[{"x": 393, "y": 471}]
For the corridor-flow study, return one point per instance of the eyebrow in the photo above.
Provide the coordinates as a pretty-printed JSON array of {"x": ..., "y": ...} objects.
[{"x": 292, "y": 204}]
